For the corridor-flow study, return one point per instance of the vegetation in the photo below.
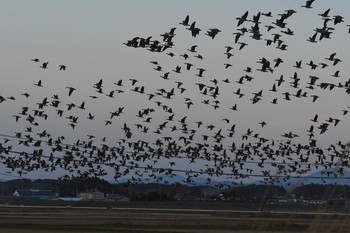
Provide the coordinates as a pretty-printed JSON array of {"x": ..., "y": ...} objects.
[
  {"x": 69, "y": 221},
  {"x": 177, "y": 191}
]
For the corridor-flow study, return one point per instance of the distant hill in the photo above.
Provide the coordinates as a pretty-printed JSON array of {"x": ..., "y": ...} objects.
[
  {"x": 182, "y": 180},
  {"x": 329, "y": 176}
]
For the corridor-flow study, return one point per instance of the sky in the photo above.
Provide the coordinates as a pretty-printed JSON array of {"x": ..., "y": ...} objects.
[{"x": 88, "y": 38}]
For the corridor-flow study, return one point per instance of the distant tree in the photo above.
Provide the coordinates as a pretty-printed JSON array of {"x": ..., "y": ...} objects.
[
  {"x": 254, "y": 193},
  {"x": 322, "y": 191}
]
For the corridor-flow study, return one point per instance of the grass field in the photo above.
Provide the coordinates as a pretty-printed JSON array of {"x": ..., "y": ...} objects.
[{"x": 70, "y": 220}]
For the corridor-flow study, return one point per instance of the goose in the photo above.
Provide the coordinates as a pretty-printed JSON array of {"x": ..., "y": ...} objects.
[
  {"x": 38, "y": 84},
  {"x": 201, "y": 70},
  {"x": 188, "y": 65},
  {"x": 308, "y": 4},
  {"x": 71, "y": 90},
  {"x": 44, "y": 65},
  {"x": 193, "y": 48},
  {"x": 312, "y": 39},
  {"x": 185, "y": 22},
  {"x": 242, "y": 19},
  {"x": 325, "y": 14}
]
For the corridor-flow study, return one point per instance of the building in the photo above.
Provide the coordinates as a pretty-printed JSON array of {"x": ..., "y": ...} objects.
[
  {"x": 92, "y": 195},
  {"x": 34, "y": 194}
]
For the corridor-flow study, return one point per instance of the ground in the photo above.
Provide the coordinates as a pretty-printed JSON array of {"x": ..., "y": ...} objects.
[{"x": 143, "y": 218}]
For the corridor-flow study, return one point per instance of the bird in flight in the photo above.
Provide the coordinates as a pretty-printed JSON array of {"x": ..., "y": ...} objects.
[
  {"x": 308, "y": 4},
  {"x": 71, "y": 89},
  {"x": 242, "y": 19},
  {"x": 44, "y": 65},
  {"x": 62, "y": 67},
  {"x": 39, "y": 84},
  {"x": 185, "y": 22}
]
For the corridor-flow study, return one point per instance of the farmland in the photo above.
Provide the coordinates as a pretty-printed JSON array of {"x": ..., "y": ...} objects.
[{"x": 146, "y": 217}]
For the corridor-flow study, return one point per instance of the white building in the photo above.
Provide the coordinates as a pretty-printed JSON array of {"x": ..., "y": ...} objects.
[{"x": 92, "y": 195}]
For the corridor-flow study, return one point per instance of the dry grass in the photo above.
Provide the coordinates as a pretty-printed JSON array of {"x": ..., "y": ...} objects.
[{"x": 28, "y": 220}]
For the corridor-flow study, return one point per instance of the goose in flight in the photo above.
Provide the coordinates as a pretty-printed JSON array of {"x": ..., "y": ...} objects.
[
  {"x": 288, "y": 32},
  {"x": 227, "y": 65},
  {"x": 44, "y": 65},
  {"x": 242, "y": 44},
  {"x": 314, "y": 97},
  {"x": 165, "y": 76},
  {"x": 98, "y": 85},
  {"x": 201, "y": 70},
  {"x": 71, "y": 89},
  {"x": 331, "y": 57},
  {"x": 298, "y": 64},
  {"x": 269, "y": 28},
  {"x": 312, "y": 39},
  {"x": 177, "y": 69},
  {"x": 199, "y": 56},
  {"x": 39, "y": 84},
  {"x": 325, "y": 14},
  {"x": 184, "y": 55},
  {"x": 282, "y": 47},
  {"x": 193, "y": 48},
  {"x": 336, "y": 74},
  {"x": 274, "y": 101},
  {"x": 228, "y": 55},
  {"x": 336, "y": 60},
  {"x": 308, "y": 4},
  {"x": 312, "y": 65},
  {"x": 185, "y": 22},
  {"x": 82, "y": 105},
  {"x": 188, "y": 65},
  {"x": 119, "y": 83},
  {"x": 212, "y": 32},
  {"x": 133, "y": 81},
  {"x": 263, "y": 123},
  {"x": 248, "y": 69},
  {"x": 256, "y": 18},
  {"x": 338, "y": 19},
  {"x": 323, "y": 127},
  {"x": 158, "y": 68},
  {"x": 268, "y": 14},
  {"x": 242, "y": 19},
  {"x": 170, "y": 54},
  {"x": 90, "y": 117},
  {"x": 194, "y": 30},
  {"x": 228, "y": 48}
]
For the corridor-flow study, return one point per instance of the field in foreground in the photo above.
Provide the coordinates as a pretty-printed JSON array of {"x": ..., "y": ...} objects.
[{"x": 71, "y": 220}]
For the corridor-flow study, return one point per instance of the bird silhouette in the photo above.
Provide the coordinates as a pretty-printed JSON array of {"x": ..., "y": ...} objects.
[
  {"x": 185, "y": 22},
  {"x": 242, "y": 19},
  {"x": 201, "y": 71},
  {"x": 39, "y": 84},
  {"x": 44, "y": 65},
  {"x": 71, "y": 90},
  {"x": 308, "y": 4}
]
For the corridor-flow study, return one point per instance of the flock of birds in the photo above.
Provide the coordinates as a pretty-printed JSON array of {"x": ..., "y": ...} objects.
[{"x": 157, "y": 146}]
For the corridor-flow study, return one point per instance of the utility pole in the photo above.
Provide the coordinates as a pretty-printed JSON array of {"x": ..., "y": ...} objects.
[{"x": 160, "y": 192}]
